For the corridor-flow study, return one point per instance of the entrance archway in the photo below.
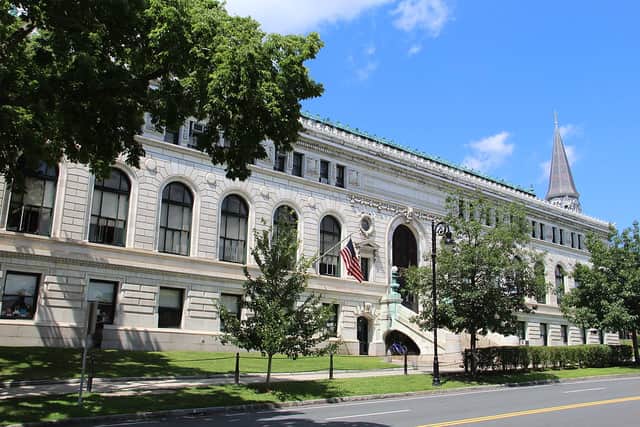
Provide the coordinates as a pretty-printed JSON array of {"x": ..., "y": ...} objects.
[
  {"x": 405, "y": 254},
  {"x": 363, "y": 335},
  {"x": 400, "y": 338}
]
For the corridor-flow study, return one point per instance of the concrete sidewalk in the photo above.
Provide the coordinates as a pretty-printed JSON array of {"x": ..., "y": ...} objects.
[{"x": 131, "y": 386}]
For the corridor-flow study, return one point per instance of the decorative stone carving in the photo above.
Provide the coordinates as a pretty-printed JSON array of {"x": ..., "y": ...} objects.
[
  {"x": 366, "y": 225},
  {"x": 151, "y": 165},
  {"x": 408, "y": 215},
  {"x": 383, "y": 205},
  {"x": 211, "y": 179},
  {"x": 311, "y": 202},
  {"x": 264, "y": 192}
]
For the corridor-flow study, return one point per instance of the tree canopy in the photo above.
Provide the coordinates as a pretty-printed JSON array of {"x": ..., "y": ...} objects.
[
  {"x": 607, "y": 295},
  {"x": 76, "y": 78},
  {"x": 484, "y": 278},
  {"x": 279, "y": 320}
]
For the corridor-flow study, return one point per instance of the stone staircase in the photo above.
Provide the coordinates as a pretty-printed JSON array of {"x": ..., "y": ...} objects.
[{"x": 449, "y": 344}]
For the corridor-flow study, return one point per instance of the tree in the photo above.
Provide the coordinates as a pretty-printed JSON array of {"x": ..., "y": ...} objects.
[
  {"x": 278, "y": 320},
  {"x": 77, "y": 76},
  {"x": 484, "y": 278},
  {"x": 607, "y": 293}
]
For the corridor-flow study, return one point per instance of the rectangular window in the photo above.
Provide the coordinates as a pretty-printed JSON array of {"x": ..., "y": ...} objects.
[
  {"x": 579, "y": 241},
  {"x": 232, "y": 304},
  {"x": 543, "y": 334},
  {"x": 280, "y": 162},
  {"x": 461, "y": 212},
  {"x": 573, "y": 239},
  {"x": 324, "y": 171},
  {"x": 522, "y": 330},
  {"x": 20, "y": 295},
  {"x": 340, "y": 176},
  {"x": 533, "y": 229},
  {"x": 332, "y": 323},
  {"x": 364, "y": 266},
  {"x": 298, "y": 160},
  {"x": 564, "y": 334},
  {"x": 104, "y": 293},
  {"x": 561, "y": 236},
  {"x": 541, "y": 231},
  {"x": 554, "y": 232},
  {"x": 170, "y": 308}
]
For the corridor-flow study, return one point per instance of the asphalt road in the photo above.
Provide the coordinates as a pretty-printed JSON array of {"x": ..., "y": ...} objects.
[{"x": 589, "y": 403}]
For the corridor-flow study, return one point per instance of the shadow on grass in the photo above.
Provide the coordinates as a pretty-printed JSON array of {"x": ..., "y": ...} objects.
[
  {"x": 296, "y": 391},
  {"x": 51, "y": 408},
  {"x": 29, "y": 363},
  {"x": 505, "y": 378}
]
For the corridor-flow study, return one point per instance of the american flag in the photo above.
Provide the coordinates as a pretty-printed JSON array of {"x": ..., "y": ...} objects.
[{"x": 351, "y": 260}]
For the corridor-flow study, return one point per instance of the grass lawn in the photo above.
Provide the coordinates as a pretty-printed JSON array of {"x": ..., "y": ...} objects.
[
  {"x": 56, "y": 363},
  {"x": 49, "y": 408}
]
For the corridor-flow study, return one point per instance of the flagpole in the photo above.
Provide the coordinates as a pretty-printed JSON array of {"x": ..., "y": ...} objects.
[{"x": 318, "y": 256}]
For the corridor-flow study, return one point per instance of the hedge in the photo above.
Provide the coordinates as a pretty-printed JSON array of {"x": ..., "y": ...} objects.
[{"x": 525, "y": 357}]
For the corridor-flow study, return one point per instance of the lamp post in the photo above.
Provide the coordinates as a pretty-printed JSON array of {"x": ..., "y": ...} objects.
[{"x": 441, "y": 229}]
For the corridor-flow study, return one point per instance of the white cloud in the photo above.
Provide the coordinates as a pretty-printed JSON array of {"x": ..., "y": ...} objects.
[
  {"x": 299, "y": 16},
  {"x": 414, "y": 49},
  {"x": 365, "y": 71},
  {"x": 426, "y": 15},
  {"x": 488, "y": 153},
  {"x": 370, "y": 50}
]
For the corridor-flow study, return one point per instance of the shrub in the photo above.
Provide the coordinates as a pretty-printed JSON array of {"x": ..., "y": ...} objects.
[{"x": 524, "y": 357}]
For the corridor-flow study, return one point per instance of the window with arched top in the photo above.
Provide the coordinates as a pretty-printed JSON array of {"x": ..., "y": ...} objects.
[
  {"x": 31, "y": 207},
  {"x": 329, "y": 246},
  {"x": 284, "y": 216},
  {"x": 559, "y": 283},
  {"x": 175, "y": 219},
  {"x": 541, "y": 284},
  {"x": 233, "y": 229},
  {"x": 109, "y": 209}
]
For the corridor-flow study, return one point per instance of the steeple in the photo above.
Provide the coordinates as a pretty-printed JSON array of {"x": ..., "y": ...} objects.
[{"x": 562, "y": 190}]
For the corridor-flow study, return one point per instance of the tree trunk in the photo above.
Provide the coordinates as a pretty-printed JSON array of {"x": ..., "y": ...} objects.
[
  {"x": 634, "y": 341},
  {"x": 270, "y": 356},
  {"x": 472, "y": 344}
]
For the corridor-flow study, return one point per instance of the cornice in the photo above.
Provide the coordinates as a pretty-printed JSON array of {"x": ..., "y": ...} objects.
[
  {"x": 325, "y": 139},
  {"x": 450, "y": 173}
]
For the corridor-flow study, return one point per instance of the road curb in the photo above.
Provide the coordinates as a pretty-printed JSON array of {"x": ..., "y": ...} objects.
[{"x": 140, "y": 416}]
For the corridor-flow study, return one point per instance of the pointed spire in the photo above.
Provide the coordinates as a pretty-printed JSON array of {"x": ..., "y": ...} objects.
[{"x": 562, "y": 190}]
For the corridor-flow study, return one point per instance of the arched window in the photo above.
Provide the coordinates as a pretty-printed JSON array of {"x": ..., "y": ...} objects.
[
  {"x": 559, "y": 283},
  {"x": 405, "y": 255},
  {"x": 109, "y": 209},
  {"x": 329, "y": 243},
  {"x": 31, "y": 208},
  {"x": 541, "y": 284},
  {"x": 284, "y": 216},
  {"x": 233, "y": 229},
  {"x": 175, "y": 219}
]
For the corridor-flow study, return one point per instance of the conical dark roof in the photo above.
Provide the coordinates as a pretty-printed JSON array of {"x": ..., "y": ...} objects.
[{"x": 560, "y": 179}]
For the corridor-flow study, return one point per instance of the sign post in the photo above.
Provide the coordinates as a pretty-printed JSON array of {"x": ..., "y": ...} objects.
[{"x": 92, "y": 319}]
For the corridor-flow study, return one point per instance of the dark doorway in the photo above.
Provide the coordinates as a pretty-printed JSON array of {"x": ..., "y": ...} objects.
[
  {"x": 400, "y": 338},
  {"x": 405, "y": 254},
  {"x": 363, "y": 335}
]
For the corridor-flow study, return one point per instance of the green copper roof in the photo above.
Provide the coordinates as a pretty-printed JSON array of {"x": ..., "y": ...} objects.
[{"x": 388, "y": 142}]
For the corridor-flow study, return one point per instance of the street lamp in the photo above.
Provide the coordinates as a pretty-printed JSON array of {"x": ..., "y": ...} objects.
[{"x": 441, "y": 229}]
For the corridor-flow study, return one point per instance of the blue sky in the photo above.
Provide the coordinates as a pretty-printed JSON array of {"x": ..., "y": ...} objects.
[{"x": 476, "y": 82}]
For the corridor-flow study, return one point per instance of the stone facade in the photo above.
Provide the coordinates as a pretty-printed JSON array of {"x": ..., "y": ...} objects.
[{"x": 388, "y": 185}]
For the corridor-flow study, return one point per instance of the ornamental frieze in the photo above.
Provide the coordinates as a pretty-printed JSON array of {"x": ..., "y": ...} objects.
[{"x": 409, "y": 212}]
